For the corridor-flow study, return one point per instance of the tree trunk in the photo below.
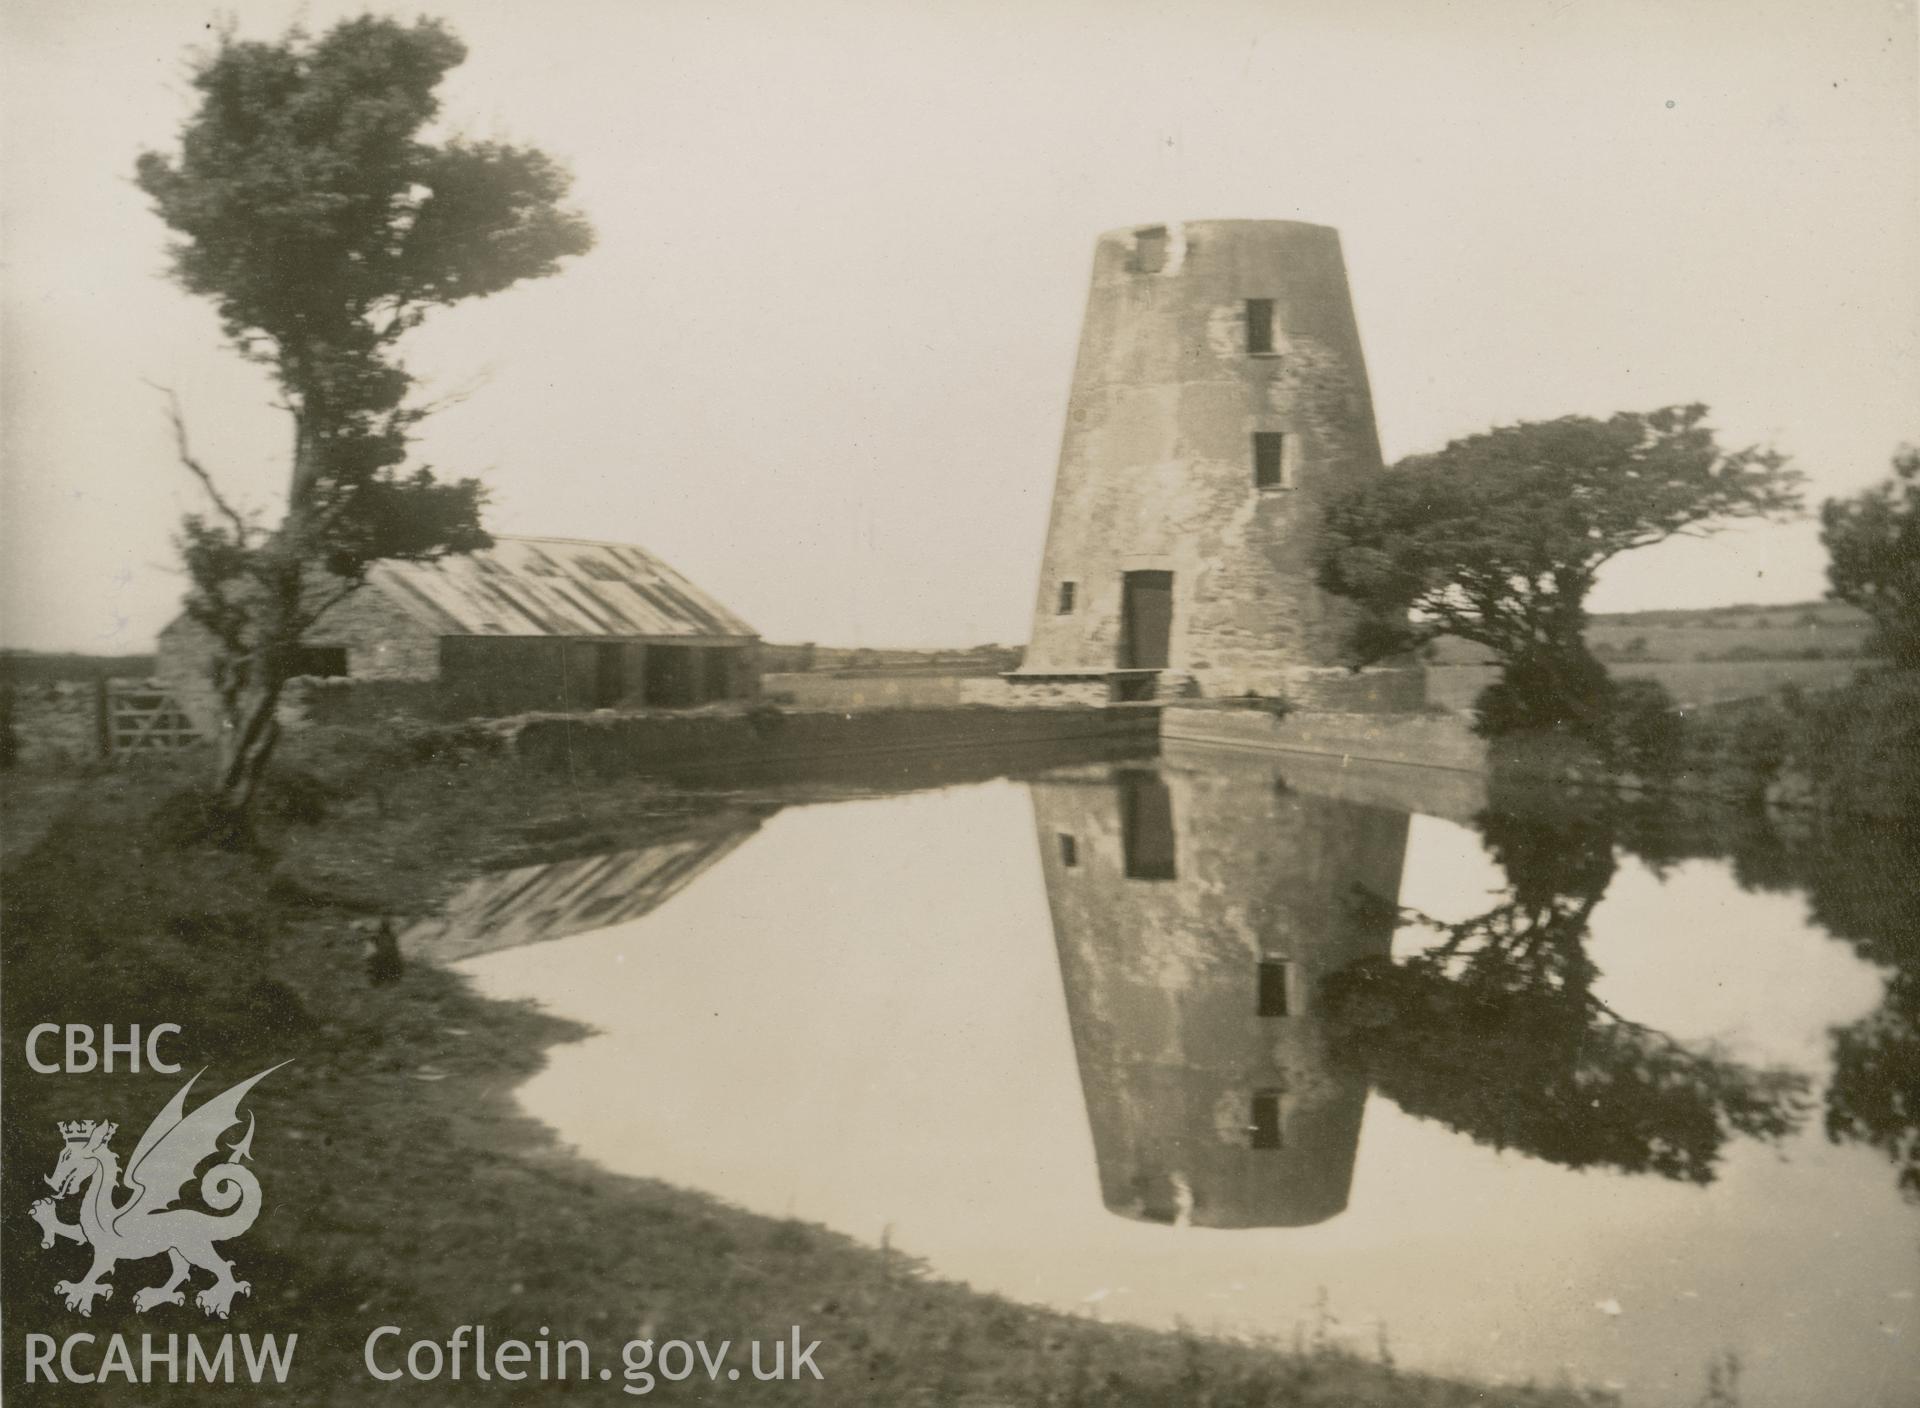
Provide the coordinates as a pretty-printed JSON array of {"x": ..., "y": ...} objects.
[{"x": 251, "y": 729}]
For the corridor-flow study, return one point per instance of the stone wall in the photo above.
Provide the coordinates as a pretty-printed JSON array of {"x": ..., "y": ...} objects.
[
  {"x": 765, "y": 738},
  {"x": 183, "y": 662},
  {"x": 383, "y": 641},
  {"x": 1389, "y": 690},
  {"x": 1038, "y": 691},
  {"x": 1425, "y": 763}
]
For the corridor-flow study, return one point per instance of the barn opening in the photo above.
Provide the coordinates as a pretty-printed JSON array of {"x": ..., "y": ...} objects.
[
  {"x": 324, "y": 661},
  {"x": 672, "y": 677},
  {"x": 609, "y": 675}
]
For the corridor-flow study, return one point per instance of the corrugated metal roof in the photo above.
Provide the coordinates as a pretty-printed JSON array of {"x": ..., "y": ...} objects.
[
  {"x": 555, "y": 587},
  {"x": 532, "y": 904}
]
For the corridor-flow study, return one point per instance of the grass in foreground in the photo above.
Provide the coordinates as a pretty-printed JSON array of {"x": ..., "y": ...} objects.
[{"x": 402, "y": 1187}]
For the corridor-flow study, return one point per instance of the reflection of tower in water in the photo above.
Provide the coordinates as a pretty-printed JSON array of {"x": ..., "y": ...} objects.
[{"x": 1195, "y": 913}]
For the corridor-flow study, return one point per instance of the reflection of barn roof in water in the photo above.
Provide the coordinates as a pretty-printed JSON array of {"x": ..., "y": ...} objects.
[
  {"x": 554, "y": 587},
  {"x": 507, "y": 908}
]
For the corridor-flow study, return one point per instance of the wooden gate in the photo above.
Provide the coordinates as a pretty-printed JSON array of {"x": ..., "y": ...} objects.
[{"x": 142, "y": 717}]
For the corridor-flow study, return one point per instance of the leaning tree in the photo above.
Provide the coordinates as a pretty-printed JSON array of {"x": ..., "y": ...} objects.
[
  {"x": 322, "y": 226},
  {"x": 1498, "y": 539}
]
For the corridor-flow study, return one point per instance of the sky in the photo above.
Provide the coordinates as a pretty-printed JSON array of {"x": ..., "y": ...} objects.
[{"x": 819, "y": 359}]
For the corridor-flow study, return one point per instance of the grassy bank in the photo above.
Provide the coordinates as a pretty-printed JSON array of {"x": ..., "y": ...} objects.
[{"x": 403, "y": 1187}]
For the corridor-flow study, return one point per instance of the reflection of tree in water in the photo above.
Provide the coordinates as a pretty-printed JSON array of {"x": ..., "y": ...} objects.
[
  {"x": 1875, "y": 1095},
  {"x": 1859, "y": 882},
  {"x": 1496, "y": 1031},
  {"x": 1858, "y": 879}
]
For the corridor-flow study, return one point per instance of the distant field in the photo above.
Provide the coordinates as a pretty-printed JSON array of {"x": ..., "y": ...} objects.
[
  {"x": 1748, "y": 633},
  {"x": 1689, "y": 681}
]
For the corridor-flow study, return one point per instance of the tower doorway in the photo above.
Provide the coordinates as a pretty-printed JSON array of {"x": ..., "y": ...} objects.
[{"x": 1146, "y": 620}]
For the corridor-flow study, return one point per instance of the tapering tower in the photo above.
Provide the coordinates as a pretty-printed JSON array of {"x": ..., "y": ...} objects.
[
  {"x": 1220, "y": 395},
  {"x": 1196, "y": 911}
]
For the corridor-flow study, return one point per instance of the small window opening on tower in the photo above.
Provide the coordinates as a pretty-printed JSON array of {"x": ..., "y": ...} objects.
[
  {"x": 1279, "y": 988},
  {"x": 1265, "y": 1128},
  {"x": 1150, "y": 250},
  {"x": 1272, "y": 465},
  {"x": 1260, "y": 327},
  {"x": 1069, "y": 850},
  {"x": 1067, "y": 592}
]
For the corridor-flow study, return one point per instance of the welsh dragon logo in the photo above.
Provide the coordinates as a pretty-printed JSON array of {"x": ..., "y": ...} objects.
[{"x": 144, "y": 1224}]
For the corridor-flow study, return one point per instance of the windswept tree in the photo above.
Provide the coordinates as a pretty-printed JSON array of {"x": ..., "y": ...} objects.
[
  {"x": 1499, "y": 538},
  {"x": 1873, "y": 547},
  {"x": 309, "y": 210}
]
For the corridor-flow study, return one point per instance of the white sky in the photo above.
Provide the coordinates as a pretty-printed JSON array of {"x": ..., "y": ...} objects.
[{"x": 819, "y": 360}]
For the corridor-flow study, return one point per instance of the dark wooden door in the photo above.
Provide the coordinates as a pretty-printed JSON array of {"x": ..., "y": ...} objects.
[{"x": 1146, "y": 620}]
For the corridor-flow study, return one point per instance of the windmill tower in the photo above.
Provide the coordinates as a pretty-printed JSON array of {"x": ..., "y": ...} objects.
[
  {"x": 1196, "y": 911},
  {"x": 1219, "y": 397}
]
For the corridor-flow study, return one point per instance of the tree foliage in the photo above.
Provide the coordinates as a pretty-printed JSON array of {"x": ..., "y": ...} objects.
[
  {"x": 1873, "y": 547},
  {"x": 309, "y": 210},
  {"x": 1499, "y": 537}
]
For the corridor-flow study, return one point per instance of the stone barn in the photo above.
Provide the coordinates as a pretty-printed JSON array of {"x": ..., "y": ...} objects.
[
  {"x": 529, "y": 624},
  {"x": 1219, "y": 397}
]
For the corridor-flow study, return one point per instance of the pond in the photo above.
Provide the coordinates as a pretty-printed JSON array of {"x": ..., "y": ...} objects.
[{"x": 1203, "y": 1040}]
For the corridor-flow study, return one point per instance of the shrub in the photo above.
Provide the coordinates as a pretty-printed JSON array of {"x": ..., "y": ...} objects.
[
  {"x": 446, "y": 743},
  {"x": 1761, "y": 740},
  {"x": 1277, "y": 705},
  {"x": 1546, "y": 694},
  {"x": 765, "y": 717},
  {"x": 1645, "y": 731},
  {"x": 194, "y": 816},
  {"x": 296, "y": 797}
]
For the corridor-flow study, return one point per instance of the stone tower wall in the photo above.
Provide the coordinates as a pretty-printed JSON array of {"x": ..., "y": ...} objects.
[{"x": 1156, "y": 467}]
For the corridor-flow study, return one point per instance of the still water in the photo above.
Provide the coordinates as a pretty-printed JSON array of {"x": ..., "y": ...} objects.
[{"x": 1201, "y": 1042}]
